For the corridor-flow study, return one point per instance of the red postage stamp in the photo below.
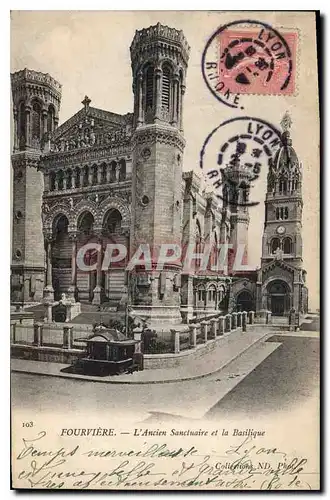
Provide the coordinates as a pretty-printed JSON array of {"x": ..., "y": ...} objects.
[{"x": 257, "y": 62}]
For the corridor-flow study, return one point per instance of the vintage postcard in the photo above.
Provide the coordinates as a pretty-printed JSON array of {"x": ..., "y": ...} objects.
[{"x": 164, "y": 320}]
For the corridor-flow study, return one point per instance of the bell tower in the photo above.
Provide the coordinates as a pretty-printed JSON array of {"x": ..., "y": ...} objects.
[
  {"x": 159, "y": 57},
  {"x": 236, "y": 193},
  {"x": 283, "y": 205},
  {"x": 36, "y": 101}
]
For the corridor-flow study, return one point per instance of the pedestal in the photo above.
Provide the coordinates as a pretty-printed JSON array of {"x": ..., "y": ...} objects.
[
  {"x": 97, "y": 297},
  {"x": 71, "y": 293},
  {"x": 48, "y": 294}
]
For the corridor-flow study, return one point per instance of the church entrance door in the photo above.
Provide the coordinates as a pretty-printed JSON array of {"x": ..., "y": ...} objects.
[
  {"x": 277, "y": 305},
  {"x": 278, "y": 293}
]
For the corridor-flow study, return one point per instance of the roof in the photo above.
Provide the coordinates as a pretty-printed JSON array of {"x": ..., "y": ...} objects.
[{"x": 108, "y": 335}]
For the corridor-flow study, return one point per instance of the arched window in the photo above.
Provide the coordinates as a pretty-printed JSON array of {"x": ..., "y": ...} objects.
[
  {"x": 122, "y": 172},
  {"x": 113, "y": 165},
  {"x": 21, "y": 125},
  {"x": 36, "y": 121},
  {"x": 69, "y": 179},
  {"x": 286, "y": 213},
  {"x": 77, "y": 176},
  {"x": 60, "y": 177},
  {"x": 287, "y": 245},
  {"x": 104, "y": 173},
  {"x": 94, "y": 177},
  {"x": 85, "y": 224},
  {"x": 85, "y": 179},
  {"x": 275, "y": 244},
  {"x": 113, "y": 221},
  {"x": 149, "y": 92},
  {"x": 50, "y": 119},
  {"x": 52, "y": 177},
  {"x": 277, "y": 213},
  {"x": 166, "y": 87}
]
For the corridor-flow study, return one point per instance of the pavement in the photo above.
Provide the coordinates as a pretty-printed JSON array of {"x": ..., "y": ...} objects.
[
  {"x": 227, "y": 348},
  {"x": 277, "y": 359},
  {"x": 288, "y": 376}
]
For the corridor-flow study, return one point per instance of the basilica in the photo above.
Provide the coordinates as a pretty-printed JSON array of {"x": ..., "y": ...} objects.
[{"x": 101, "y": 177}]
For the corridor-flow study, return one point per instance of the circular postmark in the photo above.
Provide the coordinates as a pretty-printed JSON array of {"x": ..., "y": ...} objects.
[
  {"x": 234, "y": 154},
  {"x": 249, "y": 57}
]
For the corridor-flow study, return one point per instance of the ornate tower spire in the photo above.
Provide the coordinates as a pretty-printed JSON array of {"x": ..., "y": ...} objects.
[{"x": 283, "y": 204}]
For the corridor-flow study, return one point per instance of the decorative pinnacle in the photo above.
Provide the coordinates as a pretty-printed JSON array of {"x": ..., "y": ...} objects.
[
  {"x": 286, "y": 122},
  {"x": 86, "y": 102}
]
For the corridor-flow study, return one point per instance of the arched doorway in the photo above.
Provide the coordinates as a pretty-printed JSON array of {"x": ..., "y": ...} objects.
[
  {"x": 278, "y": 297},
  {"x": 113, "y": 279},
  {"x": 244, "y": 301},
  {"x": 86, "y": 281}
]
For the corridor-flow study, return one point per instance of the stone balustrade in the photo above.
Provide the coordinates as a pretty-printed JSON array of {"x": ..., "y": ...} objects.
[{"x": 40, "y": 334}]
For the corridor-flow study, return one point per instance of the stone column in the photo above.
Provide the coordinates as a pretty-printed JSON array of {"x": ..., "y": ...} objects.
[
  {"x": 81, "y": 175},
  {"x": 193, "y": 335},
  {"x": 118, "y": 167},
  {"x": 99, "y": 174},
  {"x": 251, "y": 317},
  {"x": 204, "y": 326},
  {"x": 90, "y": 176},
  {"x": 244, "y": 320},
  {"x": 234, "y": 320},
  {"x": 73, "y": 286},
  {"x": 228, "y": 323},
  {"x": 37, "y": 340},
  {"x": 49, "y": 312},
  {"x": 49, "y": 290},
  {"x": 97, "y": 298},
  {"x": 214, "y": 323},
  {"x": 221, "y": 325}
]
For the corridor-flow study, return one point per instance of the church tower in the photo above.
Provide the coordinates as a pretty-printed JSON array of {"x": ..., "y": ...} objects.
[
  {"x": 236, "y": 193},
  {"x": 36, "y": 101},
  {"x": 283, "y": 204},
  {"x": 159, "y": 57},
  {"x": 281, "y": 279}
]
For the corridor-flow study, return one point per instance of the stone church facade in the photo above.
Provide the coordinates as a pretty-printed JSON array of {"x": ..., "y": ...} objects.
[{"x": 120, "y": 178}]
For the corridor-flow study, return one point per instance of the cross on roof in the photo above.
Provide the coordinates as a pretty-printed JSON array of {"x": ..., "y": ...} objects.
[{"x": 86, "y": 102}]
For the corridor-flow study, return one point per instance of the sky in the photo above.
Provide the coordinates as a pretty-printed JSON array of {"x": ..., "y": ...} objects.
[{"x": 88, "y": 53}]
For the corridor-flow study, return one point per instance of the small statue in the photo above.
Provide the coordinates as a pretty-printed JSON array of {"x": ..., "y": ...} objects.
[
  {"x": 71, "y": 202},
  {"x": 278, "y": 254}
]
